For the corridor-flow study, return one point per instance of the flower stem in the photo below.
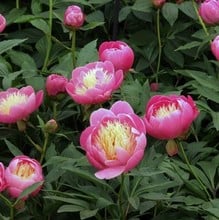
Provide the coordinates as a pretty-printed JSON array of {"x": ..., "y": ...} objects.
[
  {"x": 192, "y": 170},
  {"x": 199, "y": 18},
  {"x": 73, "y": 41},
  {"x": 49, "y": 37},
  {"x": 44, "y": 147},
  {"x": 9, "y": 204},
  {"x": 33, "y": 143},
  {"x": 159, "y": 44}
]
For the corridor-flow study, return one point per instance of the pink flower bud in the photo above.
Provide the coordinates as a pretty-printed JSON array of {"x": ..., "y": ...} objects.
[
  {"x": 209, "y": 11},
  {"x": 51, "y": 126},
  {"x": 21, "y": 173},
  {"x": 158, "y": 3},
  {"x": 74, "y": 17},
  {"x": 2, "y": 23},
  {"x": 55, "y": 84},
  {"x": 215, "y": 47},
  {"x": 171, "y": 147},
  {"x": 154, "y": 87}
]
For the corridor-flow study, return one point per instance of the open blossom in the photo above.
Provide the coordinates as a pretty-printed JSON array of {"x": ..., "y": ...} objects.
[
  {"x": 2, "y": 23},
  {"x": 3, "y": 183},
  {"x": 169, "y": 117},
  {"x": 17, "y": 104},
  {"x": 209, "y": 11},
  {"x": 74, "y": 17},
  {"x": 215, "y": 47},
  {"x": 21, "y": 173},
  {"x": 55, "y": 84},
  {"x": 118, "y": 52},
  {"x": 94, "y": 82},
  {"x": 115, "y": 140}
]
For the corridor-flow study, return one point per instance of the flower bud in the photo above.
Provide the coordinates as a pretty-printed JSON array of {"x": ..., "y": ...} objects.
[
  {"x": 171, "y": 147},
  {"x": 2, "y": 23},
  {"x": 158, "y": 3},
  {"x": 74, "y": 17},
  {"x": 215, "y": 47},
  {"x": 51, "y": 126},
  {"x": 154, "y": 87}
]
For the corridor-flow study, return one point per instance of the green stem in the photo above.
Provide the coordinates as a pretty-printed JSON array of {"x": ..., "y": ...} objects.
[
  {"x": 17, "y": 4},
  {"x": 49, "y": 37},
  {"x": 199, "y": 18},
  {"x": 192, "y": 170},
  {"x": 73, "y": 41},
  {"x": 44, "y": 147},
  {"x": 9, "y": 204},
  {"x": 159, "y": 44},
  {"x": 120, "y": 198},
  {"x": 55, "y": 110},
  {"x": 34, "y": 144}
]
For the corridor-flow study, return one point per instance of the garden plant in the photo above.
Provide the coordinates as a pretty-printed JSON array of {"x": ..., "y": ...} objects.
[{"x": 109, "y": 109}]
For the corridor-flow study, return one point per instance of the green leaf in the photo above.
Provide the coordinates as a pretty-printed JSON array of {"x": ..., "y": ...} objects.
[
  {"x": 8, "y": 44},
  {"x": 41, "y": 25},
  {"x": 124, "y": 12},
  {"x": 170, "y": 12},
  {"x": 84, "y": 214},
  {"x": 91, "y": 25},
  {"x": 88, "y": 54},
  {"x": 142, "y": 5},
  {"x": 134, "y": 201},
  {"x": 13, "y": 149},
  {"x": 189, "y": 45},
  {"x": 187, "y": 8},
  {"x": 215, "y": 117},
  {"x": 14, "y": 14},
  {"x": 70, "y": 208}
]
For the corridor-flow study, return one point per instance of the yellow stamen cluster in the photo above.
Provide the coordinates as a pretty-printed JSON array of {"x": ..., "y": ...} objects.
[
  {"x": 12, "y": 100},
  {"x": 115, "y": 134},
  {"x": 165, "y": 111},
  {"x": 90, "y": 80},
  {"x": 24, "y": 170}
]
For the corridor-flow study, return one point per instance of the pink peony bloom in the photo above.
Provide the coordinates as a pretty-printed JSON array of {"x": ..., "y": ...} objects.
[
  {"x": 21, "y": 173},
  {"x": 94, "y": 82},
  {"x": 209, "y": 11},
  {"x": 169, "y": 117},
  {"x": 118, "y": 52},
  {"x": 74, "y": 17},
  {"x": 215, "y": 47},
  {"x": 3, "y": 183},
  {"x": 17, "y": 104},
  {"x": 158, "y": 3},
  {"x": 115, "y": 140},
  {"x": 55, "y": 84},
  {"x": 2, "y": 23}
]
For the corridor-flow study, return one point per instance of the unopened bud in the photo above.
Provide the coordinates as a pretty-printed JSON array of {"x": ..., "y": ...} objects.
[
  {"x": 51, "y": 126},
  {"x": 171, "y": 147}
]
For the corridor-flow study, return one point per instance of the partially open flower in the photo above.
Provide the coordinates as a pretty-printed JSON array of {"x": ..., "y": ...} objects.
[
  {"x": 169, "y": 117},
  {"x": 117, "y": 52},
  {"x": 215, "y": 47},
  {"x": 17, "y": 104},
  {"x": 21, "y": 173},
  {"x": 115, "y": 140},
  {"x": 158, "y": 3},
  {"x": 94, "y": 82},
  {"x": 3, "y": 183}
]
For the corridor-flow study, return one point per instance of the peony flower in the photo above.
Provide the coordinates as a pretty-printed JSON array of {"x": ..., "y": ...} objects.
[
  {"x": 118, "y": 52},
  {"x": 74, "y": 17},
  {"x": 158, "y": 3},
  {"x": 2, "y": 23},
  {"x": 169, "y": 117},
  {"x": 215, "y": 47},
  {"x": 21, "y": 173},
  {"x": 17, "y": 104},
  {"x": 94, "y": 82},
  {"x": 209, "y": 11},
  {"x": 3, "y": 183},
  {"x": 115, "y": 140},
  {"x": 55, "y": 84}
]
